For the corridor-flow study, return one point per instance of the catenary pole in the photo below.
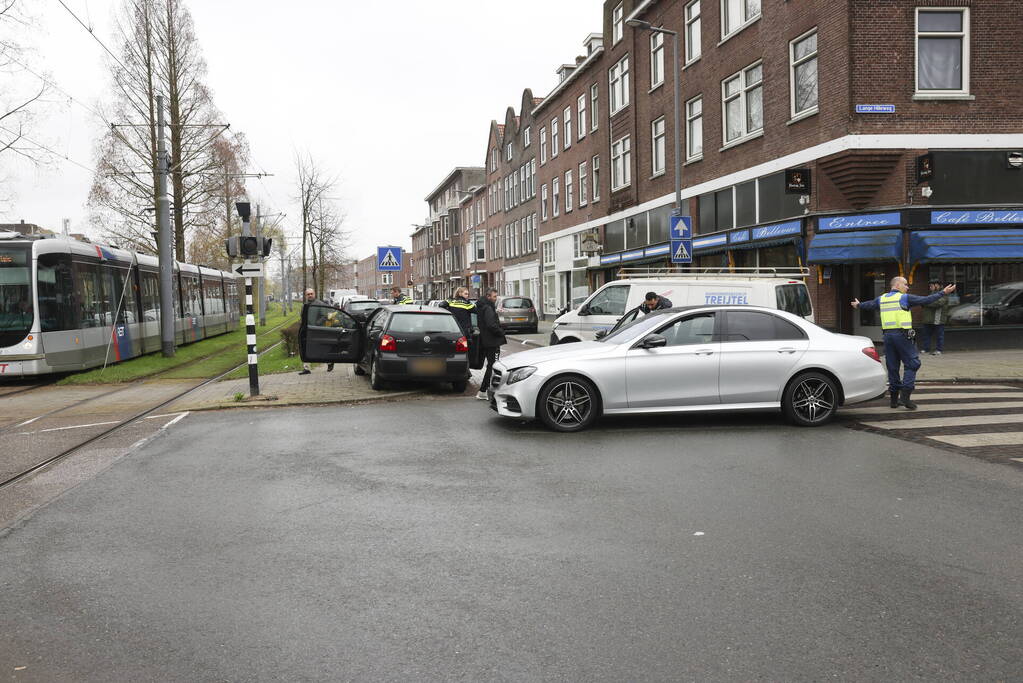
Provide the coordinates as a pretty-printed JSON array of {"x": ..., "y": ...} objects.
[{"x": 164, "y": 238}]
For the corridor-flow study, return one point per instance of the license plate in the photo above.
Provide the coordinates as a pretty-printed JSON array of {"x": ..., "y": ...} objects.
[
  {"x": 427, "y": 366},
  {"x": 518, "y": 320}
]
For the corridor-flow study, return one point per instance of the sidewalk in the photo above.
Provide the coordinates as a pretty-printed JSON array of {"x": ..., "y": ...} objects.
[
  {"x": 971, "y": 366},
  {"x": 291, "y": 388}
]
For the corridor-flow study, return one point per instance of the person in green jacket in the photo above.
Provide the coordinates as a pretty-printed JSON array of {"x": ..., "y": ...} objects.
[{"x": 934, "y": 316}]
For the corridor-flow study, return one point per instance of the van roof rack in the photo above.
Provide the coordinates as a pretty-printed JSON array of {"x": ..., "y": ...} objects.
[{"x": 711, "y": 273}]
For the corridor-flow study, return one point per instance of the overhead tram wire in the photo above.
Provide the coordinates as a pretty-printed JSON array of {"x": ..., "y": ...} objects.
[
  {"x": 19, "y": 136},
  {"x": 93, "y": 34}
]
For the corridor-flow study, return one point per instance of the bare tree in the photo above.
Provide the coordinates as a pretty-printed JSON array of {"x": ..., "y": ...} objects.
[
  {"x": 160, "y": 55},
  {"x": 328, "y": 240},
  {"x": 21, "y": 92},
  {"x": 313, "y": 187}
]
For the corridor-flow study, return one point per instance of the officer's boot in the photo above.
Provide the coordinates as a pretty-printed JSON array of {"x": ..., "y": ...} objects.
[
  {"x": 894, "y": 393},
  {"x": 905, "y": 400}
]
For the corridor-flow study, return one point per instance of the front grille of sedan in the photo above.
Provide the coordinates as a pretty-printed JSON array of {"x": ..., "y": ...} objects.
[{"x": 495, "y": 379}]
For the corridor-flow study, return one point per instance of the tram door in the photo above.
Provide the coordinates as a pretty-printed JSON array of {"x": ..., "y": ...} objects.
[
  {"x": 58, "y": 312},
  {"x": 91, "y": 307}
]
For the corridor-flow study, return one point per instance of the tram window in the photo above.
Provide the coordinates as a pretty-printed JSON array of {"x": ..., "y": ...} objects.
[
  {"x": 90, "y": 305},
  {"x": 15, "y": 294},
  {"x": 118, "y": 300},
  {"x": 54, "y": 287},
  {"x": 150, "y": 297}
]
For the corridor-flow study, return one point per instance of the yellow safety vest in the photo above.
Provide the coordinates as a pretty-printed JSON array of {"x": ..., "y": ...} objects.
[
  {"x": 457, "y": 303},
  {"x": 404, "y": 300},
  {"x": 893, "y": 315}
]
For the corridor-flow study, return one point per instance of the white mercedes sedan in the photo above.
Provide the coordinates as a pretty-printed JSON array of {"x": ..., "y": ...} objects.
[{"x": 703, "y": 358}]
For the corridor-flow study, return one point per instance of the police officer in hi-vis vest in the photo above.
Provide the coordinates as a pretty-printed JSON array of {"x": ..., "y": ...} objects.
[{"x": 897, "y": 323}]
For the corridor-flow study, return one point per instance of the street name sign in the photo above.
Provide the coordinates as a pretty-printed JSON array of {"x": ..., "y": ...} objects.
[
  {"x": 388, "y": 258},
  {"x": 875, "y": 108},
  {"x": 250, "y": 269}
]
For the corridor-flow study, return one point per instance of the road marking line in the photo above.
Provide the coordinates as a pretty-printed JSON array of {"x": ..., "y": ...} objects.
[
  {"x": 28, "y": 422},
  {"x": 924, "y": 408},
  {"x": 155, "y": 417},
  {"x": 927, "y": 422},
  {"x": 179, "y": 418},
  {"x": 94, "y": 424},
  {"x": 974, "y": 440},
  {"x": 990, "y": 394}
]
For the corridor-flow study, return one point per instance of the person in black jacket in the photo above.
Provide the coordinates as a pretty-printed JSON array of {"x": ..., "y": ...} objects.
[
  {"x": 491, "y": 336},
  {"x": 653, "y": 302}
]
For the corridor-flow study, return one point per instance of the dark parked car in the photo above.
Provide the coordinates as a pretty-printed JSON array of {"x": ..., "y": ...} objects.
[
  {"x": 361, "y": 309},
  {"x": 397, "y": 343},
  {"x": 517, "y": 314}
]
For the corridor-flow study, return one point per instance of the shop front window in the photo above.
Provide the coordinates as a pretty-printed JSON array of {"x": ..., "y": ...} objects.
[
  {"x": 987, "y": 294},
  {"x": 783, "y": 256}
]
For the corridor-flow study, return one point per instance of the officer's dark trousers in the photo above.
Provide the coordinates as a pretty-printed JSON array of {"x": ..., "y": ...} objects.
[{"x": 900, "y": 349}]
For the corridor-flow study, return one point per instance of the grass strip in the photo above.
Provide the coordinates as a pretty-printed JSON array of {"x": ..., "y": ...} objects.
[{"x": 201, "y": 359}]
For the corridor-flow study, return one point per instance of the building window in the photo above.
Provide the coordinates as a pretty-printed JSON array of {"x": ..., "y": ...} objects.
[
  {"x": 656, "y": 59},
  {"x": 568, "y": 191},
  {"x": 693, "y": 35},
  {"x": 621, "y": 162},
  {"x": 583, "y": 184},
  {"x": 694, "y": 128},
  {"x": 743, "y": 103},
  {"x": 580, "y": 106},
  {"x": 803, "y": 73},
  {"x": 386, "y": 278},
  {"x": 736, "y": 14},
  {"x": 657, "y": 146},
  {"x": 508, "y": 152},
  {"x": 543, "y": 146},
  {"x": 543, "y": 202},
  {"x": 577, "y": 245},
  {"x": 493, "y": 159},
  {"x": 594, "y": 93},
  {"x": 480, "y": 240},
  {"x": 595, "y": 176},
  {"x": 568, "y": 127},
  {"x": 618, "y": 80},
  {"x": 556, "y": 196},
  {"x": 942, "y": 51},
  {"x": 617, "y": 23},
  {"x": 554, "y": 137},
  {"x": 532, "y": 177},
  {"x": 526, "y": 136}
]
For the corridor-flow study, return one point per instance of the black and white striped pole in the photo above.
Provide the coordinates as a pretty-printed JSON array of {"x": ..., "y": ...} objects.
[{"x": 250, "y": 319}]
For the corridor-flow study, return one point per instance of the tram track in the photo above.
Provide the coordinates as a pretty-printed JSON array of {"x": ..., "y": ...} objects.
[{"x": 118, "y": 425}]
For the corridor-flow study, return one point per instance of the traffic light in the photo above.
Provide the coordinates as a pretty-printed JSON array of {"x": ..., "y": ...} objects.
[{"x": 248, "y": 246}]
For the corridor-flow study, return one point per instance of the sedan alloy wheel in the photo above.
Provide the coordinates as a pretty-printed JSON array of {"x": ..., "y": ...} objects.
[
  {"x": 810, "y": 400},
  {"x": 568, "y": 404}
]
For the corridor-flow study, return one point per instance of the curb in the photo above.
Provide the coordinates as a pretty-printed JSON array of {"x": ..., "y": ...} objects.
[{"x": 290, "y": 404}]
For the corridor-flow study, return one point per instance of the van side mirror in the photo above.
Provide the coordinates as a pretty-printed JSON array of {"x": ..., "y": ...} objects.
[{"x": 653, "y": 341}]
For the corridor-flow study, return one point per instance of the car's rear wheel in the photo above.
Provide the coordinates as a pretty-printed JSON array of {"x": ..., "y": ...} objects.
[
  {"x": 568, "y": 404},
  {"x": 810, "y": 400},
  {"x": 358, "y": 370},
  {"x": 374, "y": 376}
]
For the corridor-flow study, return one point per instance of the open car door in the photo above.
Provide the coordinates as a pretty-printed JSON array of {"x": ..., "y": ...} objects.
[{"x": 329, "y": 335}]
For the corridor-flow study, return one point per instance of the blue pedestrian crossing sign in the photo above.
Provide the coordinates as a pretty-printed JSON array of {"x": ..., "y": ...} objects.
[
  {"x": 388, "y": 258},
  {"x": 681, "y": 228},
  {"x": 681, "y": 251}
]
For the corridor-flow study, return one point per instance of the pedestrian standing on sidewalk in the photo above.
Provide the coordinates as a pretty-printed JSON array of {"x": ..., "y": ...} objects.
[
  {"x": 491, "y": 336},
  {"x": 310, "y": 298},
  {"x": 897, "y": 324},
  {"x": 934, "y": 316}
]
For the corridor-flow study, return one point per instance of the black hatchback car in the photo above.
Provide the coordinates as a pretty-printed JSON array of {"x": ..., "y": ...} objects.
[{"x": 397, "y": 343}]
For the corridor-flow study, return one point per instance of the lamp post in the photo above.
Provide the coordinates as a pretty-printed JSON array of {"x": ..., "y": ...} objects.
[{"x": 647, "y": 26}]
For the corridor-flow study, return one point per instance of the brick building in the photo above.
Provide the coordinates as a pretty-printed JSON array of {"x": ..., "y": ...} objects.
[
  {"x": 377, "y": 284},
  {"x": 439, "y": 245},
  {"x": 858, "y": 93}
]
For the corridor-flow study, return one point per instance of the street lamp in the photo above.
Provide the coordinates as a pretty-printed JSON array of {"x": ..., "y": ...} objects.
[{"x": 647, "y": 26}]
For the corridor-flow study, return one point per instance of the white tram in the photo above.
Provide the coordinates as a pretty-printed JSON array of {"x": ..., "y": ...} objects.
[{"x": 67, "y": 305}]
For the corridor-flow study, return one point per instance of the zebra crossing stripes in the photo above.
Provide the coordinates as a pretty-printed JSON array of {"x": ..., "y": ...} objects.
[{"x": 976, "y": 420}]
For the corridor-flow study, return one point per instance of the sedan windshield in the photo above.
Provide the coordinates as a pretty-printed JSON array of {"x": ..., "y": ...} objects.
[
  {"x": 362, "y": 305},
  {"x": 16, "y": 309},
  {"x": 641, "y": 325},
  {"x": 421, "y": 323}
]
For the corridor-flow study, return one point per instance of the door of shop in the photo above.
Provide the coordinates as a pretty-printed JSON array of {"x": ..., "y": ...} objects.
[{"x": 870, "y": 280}]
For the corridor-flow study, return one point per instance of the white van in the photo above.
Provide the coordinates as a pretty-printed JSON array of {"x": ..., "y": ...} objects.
[{"x": 782, "y": 288}]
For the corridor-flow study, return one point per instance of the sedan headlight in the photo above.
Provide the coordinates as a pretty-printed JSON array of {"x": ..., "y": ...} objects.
[{"x": 519, "y": 374}]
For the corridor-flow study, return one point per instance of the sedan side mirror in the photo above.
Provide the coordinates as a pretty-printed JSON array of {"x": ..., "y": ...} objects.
[
  {"x": 653, "y": 341},
  {"x": 584, "y": 310},
  {"x": 600, "y": 334}
]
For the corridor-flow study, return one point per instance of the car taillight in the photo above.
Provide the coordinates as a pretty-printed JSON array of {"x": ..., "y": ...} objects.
[
  {"x": 387, "y": 343},
  {"x": 872, "y": 352},
  {"x": 462, "y": 345}
]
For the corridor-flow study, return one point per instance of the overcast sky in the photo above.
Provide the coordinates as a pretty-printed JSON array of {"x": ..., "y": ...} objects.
[{"x": 389, "y": 96}]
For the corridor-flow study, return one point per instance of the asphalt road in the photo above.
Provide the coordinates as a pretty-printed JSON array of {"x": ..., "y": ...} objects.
[{"x": 429, "y": 540}]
